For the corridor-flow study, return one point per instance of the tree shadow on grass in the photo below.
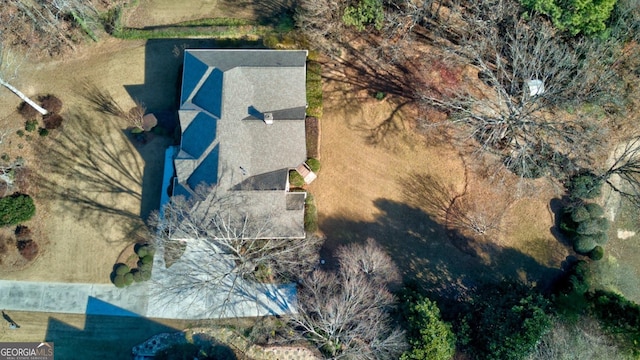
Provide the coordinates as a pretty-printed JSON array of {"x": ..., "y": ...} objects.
[
  {"x": 102, "y": 337},
  {"x": 92, "y": 170},
  {"x": 442, "y": 262}
]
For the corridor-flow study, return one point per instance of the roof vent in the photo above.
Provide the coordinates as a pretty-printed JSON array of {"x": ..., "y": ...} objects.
[{"x": 268, "y": 118}]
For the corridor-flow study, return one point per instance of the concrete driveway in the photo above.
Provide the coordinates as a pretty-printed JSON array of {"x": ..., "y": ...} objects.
[{"x": 183, "y": 291}]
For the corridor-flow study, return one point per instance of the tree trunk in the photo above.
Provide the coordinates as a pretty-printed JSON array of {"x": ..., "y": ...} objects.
[{"x": 23, "y": 97}]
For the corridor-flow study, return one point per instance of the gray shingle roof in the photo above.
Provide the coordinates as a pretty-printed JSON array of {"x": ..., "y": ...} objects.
[{"x": 225, "y": 94}]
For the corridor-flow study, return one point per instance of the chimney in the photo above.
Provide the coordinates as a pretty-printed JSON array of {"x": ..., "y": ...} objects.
[{"x": 268, "y": 118}]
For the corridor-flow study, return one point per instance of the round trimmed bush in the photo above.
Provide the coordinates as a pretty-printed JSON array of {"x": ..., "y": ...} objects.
[
  {"x": 148, "y": 259},
  {"x": 150, "y": 250},
  {"x": 137, "y": 275},
  {"x": 580, "y": 214},
  {"x": 601, "y": 238},
  {"x": 145, "y": 274},
  {"x": 595, "y": 210},
  {"x": 31, "y": 125},
  {"x": 597, "y": 253},
  {"x": 128, "y": 278},
  {"x": 142, "y": 251},
  {"x": 15, "y": 209},
  {"x": 314, "y": 164},
  {"x": 144, "y": 266},
  {"x": 295, "y": 179},
  {"x": 583, "y": 244},
  {"x": 585, "y": 186},
  {"x": 593, "y": 226},
  {"x": 118, "y": 281},
  {"x": 122, "y": 269}
]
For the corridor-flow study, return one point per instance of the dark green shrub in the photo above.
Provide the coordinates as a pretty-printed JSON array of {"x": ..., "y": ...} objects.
[
  {"x": 580, "y": 214},
  {"x": 314, "y": 164},
  {"x": 583, "y": 244},
  {"x": 365, "y": 13},
  {"x": 593, "y": 226},
  {"x": 145, "y": 274},
  {"x": 601, "y": 238},
  {"x": 571, "y": 288},
  {"x": 504, "y": 321},
  {"x": 148, "y": 259},
  {"x": 144, "y": 266},
  {"x": 380, "y": 95},
  {"x": 567, "y": 225},
  {"x": 142, "y": 251},
  {"x": 584, "y": 186},
  {"x": 620, "y": 317},
  {"x": 295, "y": 179},
  {"x": 118, "y": 281},
  {"x": 575, "y": 16},
  {"x": 43, "y": 132},
  {"x": 31, "y": 125},
  {"x": 122, "y": 269},
  {"x": 128, "y": 279},
  {"x": 20, "y": 133},
  {"x": 597, "y": 253},
  {"x": 595, "y": 210},
  {"x": 15, "y": 209},
  {"x": 137, "y": 275},
  {"x": 430, "y": 338}
]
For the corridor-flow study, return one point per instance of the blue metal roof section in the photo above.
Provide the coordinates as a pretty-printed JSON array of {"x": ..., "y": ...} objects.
[
  {"x": 207, "y": 172},
  {"x": 194, "y": 70},
  {"x": 209, "y": 95},
  {"x": 199, "y": 135}
]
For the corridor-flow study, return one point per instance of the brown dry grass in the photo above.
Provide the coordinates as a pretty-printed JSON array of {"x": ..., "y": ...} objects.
[
  {"x": 382, "y": 179},
  {"x": 90, "y": 237}
]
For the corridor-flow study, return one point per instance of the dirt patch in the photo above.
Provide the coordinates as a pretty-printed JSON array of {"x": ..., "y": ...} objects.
[{"x": 163, "y": 12}]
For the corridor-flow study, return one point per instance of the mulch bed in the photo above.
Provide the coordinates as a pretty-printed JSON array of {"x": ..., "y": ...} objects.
[{"x": 312, "y": 129}]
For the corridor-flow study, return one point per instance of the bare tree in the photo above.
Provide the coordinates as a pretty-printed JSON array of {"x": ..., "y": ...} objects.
[
  {"x": 49, "y": 22},
  {"x": 582, "y": 340},
  {"x": 371, "y": 261},
  {"x": 528, "y": 71},
  {"x": 208, "y": 245},
  {"x": 346, "y": 314},
  {"x": 9, "y": 65},
  {"x": 623, "y": 176},
  {"x": 321, "y": 21}
]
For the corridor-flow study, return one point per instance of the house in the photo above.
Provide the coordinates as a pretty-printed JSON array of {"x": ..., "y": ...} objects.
[{"x": 242, "y": 122}]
